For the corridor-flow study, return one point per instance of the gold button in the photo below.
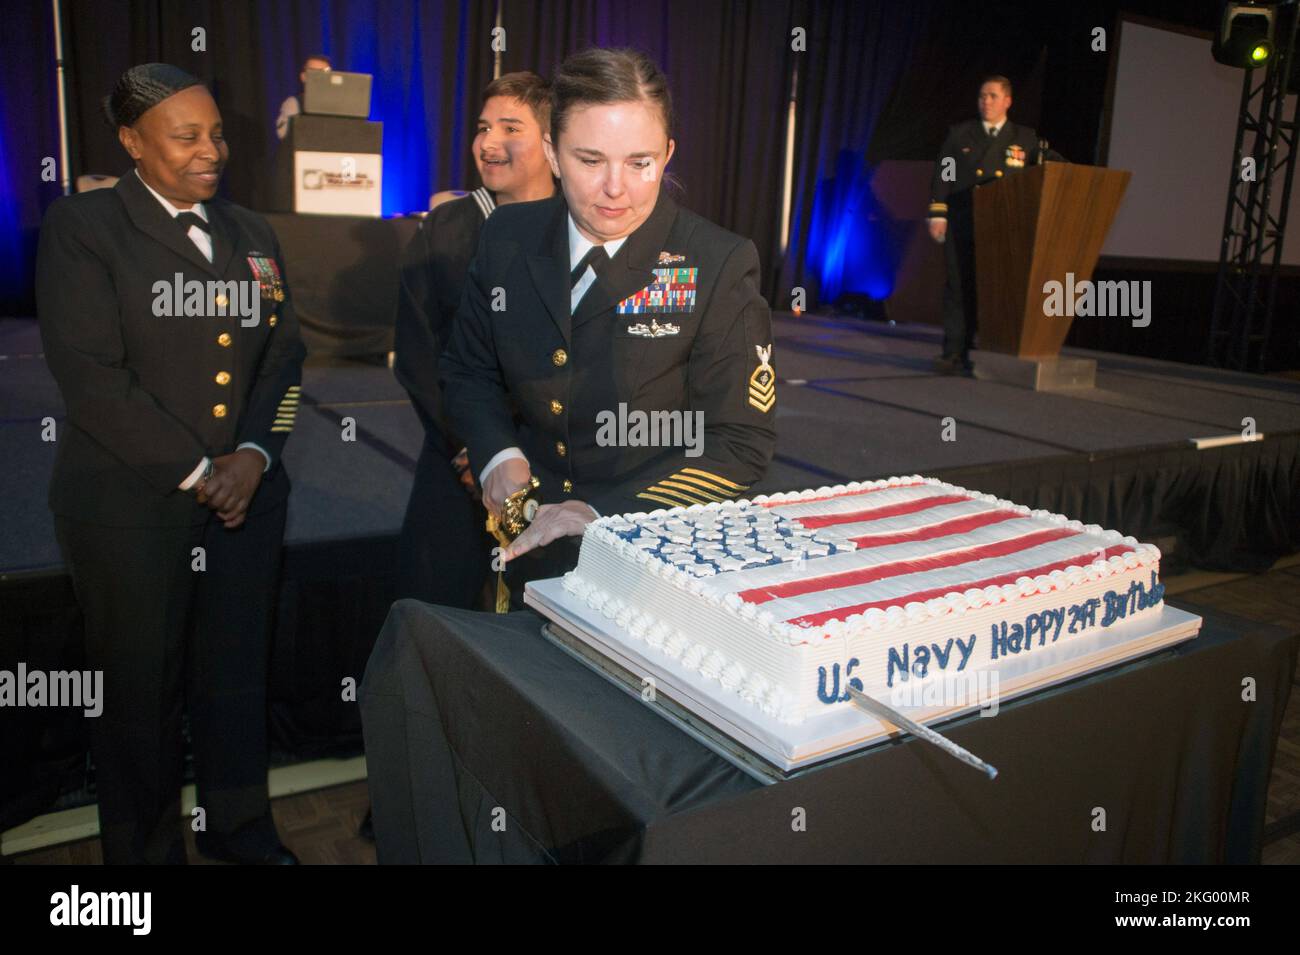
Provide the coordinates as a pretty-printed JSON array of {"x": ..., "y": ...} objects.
[
  {"x": 556, "y": 407},
  {"x": 222, "y": 301},
  {"x": 979, "y": 172},
  {"x": 559, "y": 357},
  {"x": 560, "y": 449},
  {"x": 568, "y": 485},
  {"x": 218, "y": 411},
  {"x": 271, "y": 321},
  {"x": 223, "y": 378},
  {"x": 224, "y": 339},
  {"x": 997, "y": 173}
]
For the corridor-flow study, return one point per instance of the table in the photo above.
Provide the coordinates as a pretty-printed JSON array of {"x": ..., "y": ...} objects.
[{"x": 487, "y": 743}]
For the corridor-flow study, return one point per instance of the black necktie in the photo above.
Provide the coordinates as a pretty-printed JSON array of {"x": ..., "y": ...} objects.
[
  {"x": 187, "y": 219},
  {"x": 596, "y": 257}
]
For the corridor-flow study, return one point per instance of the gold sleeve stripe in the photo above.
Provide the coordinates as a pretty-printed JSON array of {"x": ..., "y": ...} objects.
[
  {"x": 717, "y": 479},
  {"x": 679, "y": 498},
  {"x": 708, "y": 493},
  {"x": 726, "y": 493},
  {"x": 700, "y": 483},
  {"x": 655, "y": 497}
]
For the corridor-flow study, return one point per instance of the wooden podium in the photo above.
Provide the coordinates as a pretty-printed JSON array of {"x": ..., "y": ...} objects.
[{"x": 1030, "y": 229}]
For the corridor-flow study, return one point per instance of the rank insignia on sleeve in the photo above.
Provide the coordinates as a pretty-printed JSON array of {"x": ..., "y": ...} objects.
[
  {"x": 762, "y": 383},
  {"x": 673, "y": 290},
  {"x": 267, "y": 274}
]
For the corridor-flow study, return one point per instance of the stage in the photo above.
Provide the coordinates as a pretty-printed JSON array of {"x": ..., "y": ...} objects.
[{"x": 855, "y": 401}]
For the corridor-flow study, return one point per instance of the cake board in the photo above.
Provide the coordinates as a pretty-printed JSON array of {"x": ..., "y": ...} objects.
[{"x": 771, "y": 751}]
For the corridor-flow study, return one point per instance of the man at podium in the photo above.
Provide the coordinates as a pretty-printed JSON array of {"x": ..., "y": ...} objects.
[{"x": 975, "y": 151}]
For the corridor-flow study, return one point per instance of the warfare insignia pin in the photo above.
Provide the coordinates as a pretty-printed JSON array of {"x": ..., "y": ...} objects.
[
  {"x": 653, "y": 330},
  {"x": 668, "y": 258},
  {"x": 762, "y": 383}
]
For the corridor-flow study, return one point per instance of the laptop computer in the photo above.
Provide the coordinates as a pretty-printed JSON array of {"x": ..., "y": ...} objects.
[{"x": 335, "y": 93}]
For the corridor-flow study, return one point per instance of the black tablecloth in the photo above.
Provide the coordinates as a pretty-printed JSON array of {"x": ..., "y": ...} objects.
[
  {"x": 487, "y": 743},
  {"x": 344, "y": 272}
]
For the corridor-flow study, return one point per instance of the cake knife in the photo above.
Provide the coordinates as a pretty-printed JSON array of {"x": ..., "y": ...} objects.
[{"x": 881, "y": 710}]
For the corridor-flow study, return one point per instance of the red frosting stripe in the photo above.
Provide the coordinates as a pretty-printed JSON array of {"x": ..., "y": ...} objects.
[
  {"x": 812, "y": 522},
  {"x": 866, "y": 575},
  {"x": 839, "y": 613},
  {"x": 958, "y": 525}
]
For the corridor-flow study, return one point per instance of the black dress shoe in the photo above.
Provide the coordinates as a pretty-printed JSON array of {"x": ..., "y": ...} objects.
[
  {"x": 948, "y": 364},
  {"x": 215, "y": 849}
]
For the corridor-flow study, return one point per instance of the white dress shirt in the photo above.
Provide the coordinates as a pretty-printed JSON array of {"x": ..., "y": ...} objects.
[
  {"x": 203, "y": 241},
  {"x": 579, "y": 245}
]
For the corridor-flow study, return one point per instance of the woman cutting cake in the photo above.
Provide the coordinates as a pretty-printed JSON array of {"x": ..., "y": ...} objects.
[{"x": 608, "y": 302}]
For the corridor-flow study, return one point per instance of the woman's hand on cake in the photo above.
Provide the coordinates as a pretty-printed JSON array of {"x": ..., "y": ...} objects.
[
  {"x": 509, "y": 476},
  {"x": 552, "y": 522}
]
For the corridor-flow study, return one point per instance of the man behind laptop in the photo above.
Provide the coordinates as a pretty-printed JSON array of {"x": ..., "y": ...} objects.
[{"x": 291, "y": 107}]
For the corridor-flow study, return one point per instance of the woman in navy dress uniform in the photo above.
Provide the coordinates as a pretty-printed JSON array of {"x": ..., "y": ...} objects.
[
  {"x": 168, "y": 326},
  {"x": 605, "y": 301},
  {"x": 444, "y": 551}
]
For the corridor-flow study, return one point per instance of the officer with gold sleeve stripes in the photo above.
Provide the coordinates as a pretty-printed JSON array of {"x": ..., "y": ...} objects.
[
  {"x": 168, "y": 490},
  {"x": 608, "y": 302}
]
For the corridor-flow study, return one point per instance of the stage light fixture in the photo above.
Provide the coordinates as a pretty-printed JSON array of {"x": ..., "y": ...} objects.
[{"x": 1245, "y": 35}]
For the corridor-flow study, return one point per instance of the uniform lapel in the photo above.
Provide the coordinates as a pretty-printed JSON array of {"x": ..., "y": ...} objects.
[
  {"x": 995, "y": 144},
  {"x": 632, "y": 268},
  {"x": 223, "y": 238},
  {"x": 150, "y": 217},
  {"x": 549, "y": 267}
]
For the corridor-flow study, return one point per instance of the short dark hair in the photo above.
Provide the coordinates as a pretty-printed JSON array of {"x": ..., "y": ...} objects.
[
  {"x": 600, "y": 75},
  {"x": 998, "y": 78},
  {"x": 527, "y": 87},
  {"x": 318, "y": 56},
  {"x": 141, "y": 88}
]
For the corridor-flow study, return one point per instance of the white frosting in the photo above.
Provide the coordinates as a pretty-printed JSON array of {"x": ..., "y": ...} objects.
[{"x": 657, "y": 590}]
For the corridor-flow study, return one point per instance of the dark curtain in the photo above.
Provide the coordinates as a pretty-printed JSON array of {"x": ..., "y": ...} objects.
[
  {"x": 856, "y": 57},
  {"x": 877, "y": 81},
  {"x": 29, "y": 145}
]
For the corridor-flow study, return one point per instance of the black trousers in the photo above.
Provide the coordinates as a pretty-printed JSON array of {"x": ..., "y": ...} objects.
[
  {"x": 959, "y": 302},
  {"x": 444, "y": 554},
  {"x": 166, "y": 636}
]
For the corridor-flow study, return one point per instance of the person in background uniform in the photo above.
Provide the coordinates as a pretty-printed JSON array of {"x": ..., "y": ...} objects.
[
  {"x": 608, "y": 298},
  {"x": 444, "y": 551},
  {"x": 168, "y": 490},
  {"x": 975, "y": 152},
  {"x": 291, "y": 107}
]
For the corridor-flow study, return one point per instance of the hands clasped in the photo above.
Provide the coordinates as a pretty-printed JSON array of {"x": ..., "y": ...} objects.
[{"x": 235, "y": 478}]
